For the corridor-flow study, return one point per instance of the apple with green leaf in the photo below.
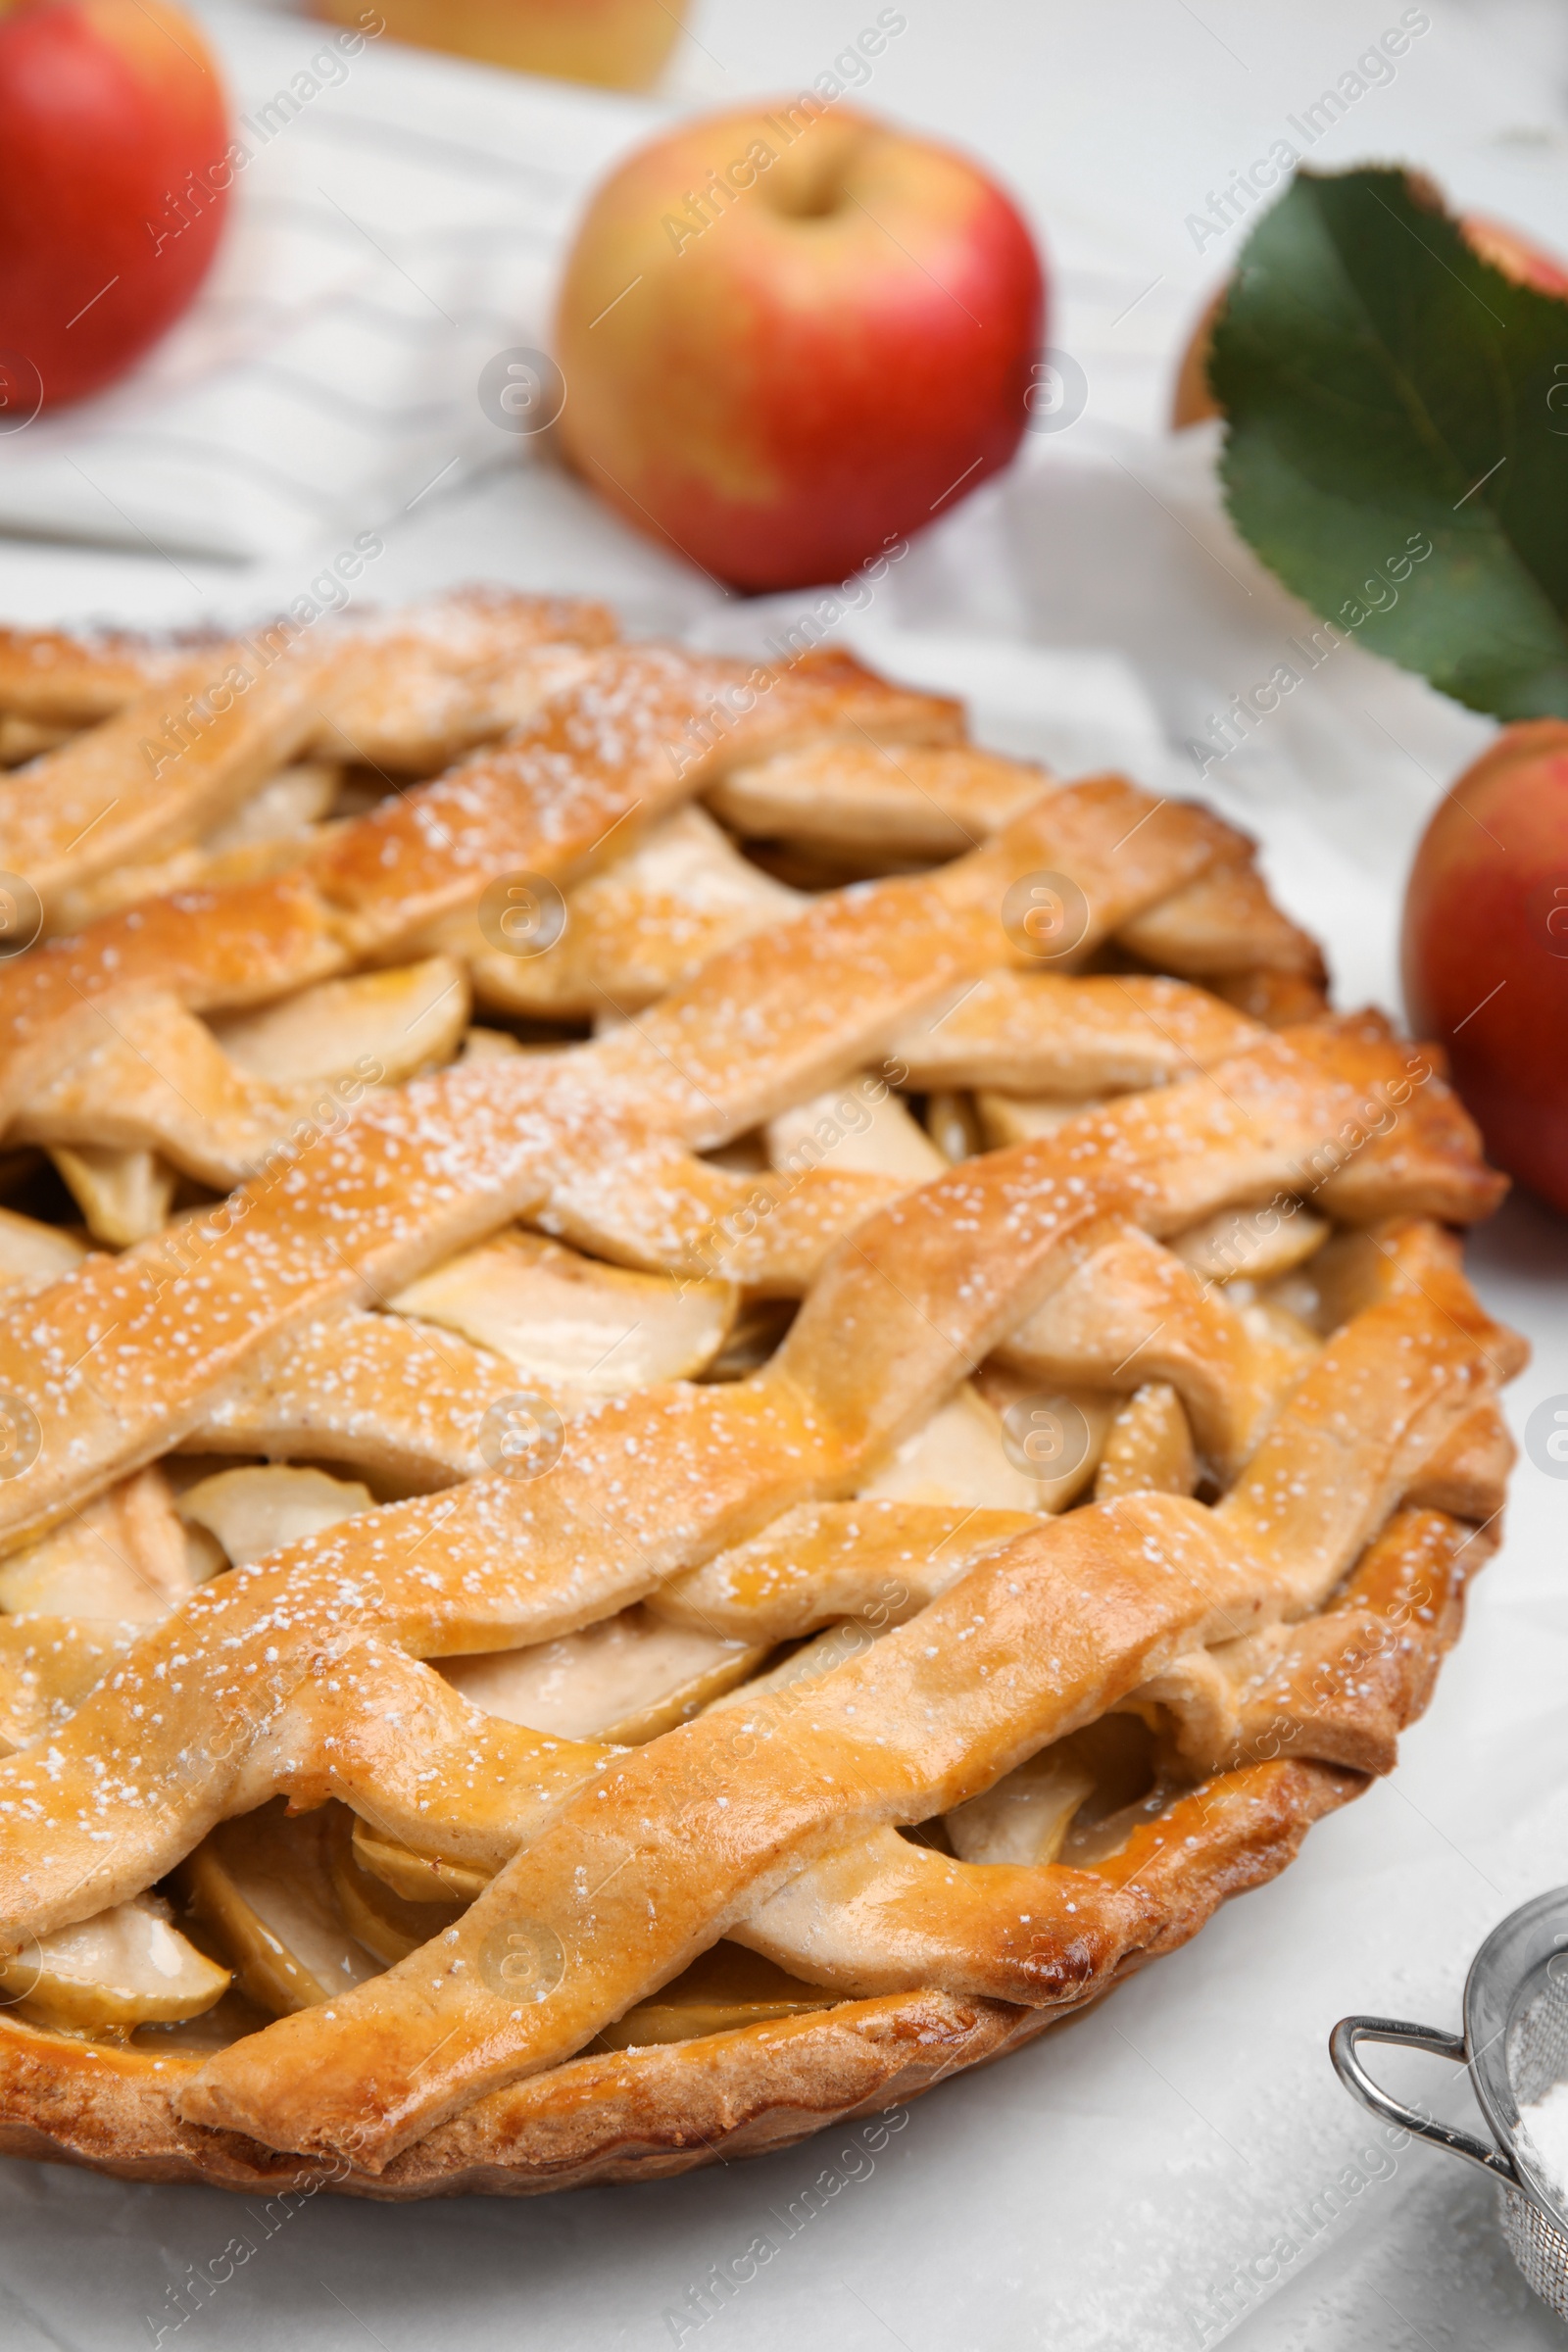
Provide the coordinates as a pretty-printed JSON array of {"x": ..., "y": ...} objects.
[
  {"x": 1527, "y": 264},
  {"x": 1382, "y": 378},
  {"x": 113, "y": 187},
  {"x": 1392, "y": 376}
]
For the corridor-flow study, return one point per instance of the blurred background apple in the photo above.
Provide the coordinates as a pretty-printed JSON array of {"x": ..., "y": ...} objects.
[
  {"x": 621, "y": 44},
  {"x": 788, "y": 340},
  {"x": 1486, "y": 948},
  {"x": 112, "y": 130},
  {"x": 1507, "y": 250}
]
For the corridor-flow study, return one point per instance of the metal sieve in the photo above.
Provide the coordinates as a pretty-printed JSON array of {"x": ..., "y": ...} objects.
[{"x": 1515, "y": 2043}]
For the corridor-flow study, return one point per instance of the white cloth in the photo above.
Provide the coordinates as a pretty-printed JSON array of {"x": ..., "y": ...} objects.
[{"x": 398, "y": 222}]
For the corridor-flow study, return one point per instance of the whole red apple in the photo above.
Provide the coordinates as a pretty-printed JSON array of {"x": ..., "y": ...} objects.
[
  {"x": 1486, "y": 949},
  {"x": 790, "y": 337},
  {"x": 112, "y": 132}
]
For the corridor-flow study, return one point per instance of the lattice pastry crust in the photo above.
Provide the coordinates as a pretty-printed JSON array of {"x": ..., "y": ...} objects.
[{"x": 574, "y": 1603}]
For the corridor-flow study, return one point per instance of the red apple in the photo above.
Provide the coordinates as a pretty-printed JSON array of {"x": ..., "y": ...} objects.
[
  {"x": 1486, "y": 949},
  {"x": 1504, "y": 247},
  {"x": 108, "y": 107},
  {"x": 790, "y": 337}
]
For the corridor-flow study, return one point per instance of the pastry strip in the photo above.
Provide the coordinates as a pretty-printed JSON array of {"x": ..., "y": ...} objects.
[{"x": 676, "y": 1843}]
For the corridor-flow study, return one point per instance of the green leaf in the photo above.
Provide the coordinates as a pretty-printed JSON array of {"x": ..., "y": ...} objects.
[{"x": 1386, "y": 388}]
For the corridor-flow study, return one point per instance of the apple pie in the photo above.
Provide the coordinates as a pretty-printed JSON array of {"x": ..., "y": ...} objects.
[{"x": 706, "y": 1403}]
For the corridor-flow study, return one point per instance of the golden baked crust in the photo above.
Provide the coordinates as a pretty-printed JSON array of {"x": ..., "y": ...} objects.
[
  {"x": 644, "y": 2114},
  {"x": 1198, "y": 1230}
]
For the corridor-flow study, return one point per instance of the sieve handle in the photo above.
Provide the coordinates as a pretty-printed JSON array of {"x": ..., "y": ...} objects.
[{"x": 1345, "y": 2046}]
